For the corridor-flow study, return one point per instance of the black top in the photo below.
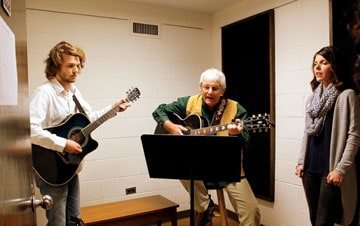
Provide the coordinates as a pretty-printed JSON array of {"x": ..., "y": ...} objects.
[{"x": 318, "y": 149}]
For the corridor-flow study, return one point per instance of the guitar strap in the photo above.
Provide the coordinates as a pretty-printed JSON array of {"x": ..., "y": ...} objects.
[
  {"x": 216, "y": 121},
  {"x": 78, "y": 105},
  {"x": 217, "y": 116}
]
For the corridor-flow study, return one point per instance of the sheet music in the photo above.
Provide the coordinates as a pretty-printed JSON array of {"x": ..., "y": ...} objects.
[{"x": 8, "y": 71}]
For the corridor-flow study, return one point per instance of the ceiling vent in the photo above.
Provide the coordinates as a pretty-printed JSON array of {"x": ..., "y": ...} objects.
[{"x": 145, "y": 29}]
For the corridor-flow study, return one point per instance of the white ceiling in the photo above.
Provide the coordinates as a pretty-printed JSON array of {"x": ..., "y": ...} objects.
[{"x": 205, "y": 6}]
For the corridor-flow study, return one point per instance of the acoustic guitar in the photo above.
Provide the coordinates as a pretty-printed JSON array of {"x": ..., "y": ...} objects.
[
  {"x": 58, "y": 168},
  {"x": 196, "y": 125}
]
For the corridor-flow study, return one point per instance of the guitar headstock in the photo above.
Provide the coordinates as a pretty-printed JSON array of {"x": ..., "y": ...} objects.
[
  {"x": 133, "y": 94},
  {"x": 259, "y": 123}
]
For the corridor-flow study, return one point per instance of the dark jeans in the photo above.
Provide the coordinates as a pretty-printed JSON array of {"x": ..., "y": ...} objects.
[{"x": 324, "y": 200}]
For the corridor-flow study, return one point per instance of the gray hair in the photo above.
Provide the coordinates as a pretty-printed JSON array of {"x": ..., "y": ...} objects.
[{"x": 213, "y": 74}]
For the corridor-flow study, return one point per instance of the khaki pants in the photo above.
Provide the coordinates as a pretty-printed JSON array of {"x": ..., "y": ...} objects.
[{"x": 240, "y": 195}]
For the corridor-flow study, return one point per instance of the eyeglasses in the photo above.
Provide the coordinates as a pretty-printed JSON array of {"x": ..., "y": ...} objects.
[{"x": 213, "y": 88}]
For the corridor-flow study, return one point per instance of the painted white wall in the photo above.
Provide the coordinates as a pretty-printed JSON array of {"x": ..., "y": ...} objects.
[
  {"x": 165, "y": 68},
  {"x": 301, "y": 28}
]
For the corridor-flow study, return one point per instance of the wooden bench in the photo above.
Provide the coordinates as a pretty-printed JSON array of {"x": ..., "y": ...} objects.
[{"x": 138, "y": 211}]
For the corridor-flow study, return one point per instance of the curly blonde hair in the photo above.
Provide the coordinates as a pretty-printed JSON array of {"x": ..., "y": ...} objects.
[{"x": 55, "y": 58}]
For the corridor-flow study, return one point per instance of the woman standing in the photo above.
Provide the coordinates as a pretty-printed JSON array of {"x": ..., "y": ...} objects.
[{"x": 331, "y": 140}]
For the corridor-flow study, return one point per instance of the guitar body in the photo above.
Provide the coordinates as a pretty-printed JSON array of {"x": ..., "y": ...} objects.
[
  {"x": 57, "y": 168},
  {"x": 192, "y": 121}
]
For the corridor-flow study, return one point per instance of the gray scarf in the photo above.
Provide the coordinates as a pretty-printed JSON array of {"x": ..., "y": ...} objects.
[{"x": 321, "y": 101}]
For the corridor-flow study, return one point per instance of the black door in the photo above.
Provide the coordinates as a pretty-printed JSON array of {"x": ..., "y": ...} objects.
[{"x": 248, "y": 53}]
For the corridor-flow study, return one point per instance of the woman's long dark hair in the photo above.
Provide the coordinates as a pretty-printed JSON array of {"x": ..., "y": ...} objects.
[{"x": 341, "y": 79}]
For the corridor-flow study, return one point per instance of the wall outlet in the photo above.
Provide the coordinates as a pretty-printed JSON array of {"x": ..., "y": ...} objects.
[{"x": 131, "y": 190}]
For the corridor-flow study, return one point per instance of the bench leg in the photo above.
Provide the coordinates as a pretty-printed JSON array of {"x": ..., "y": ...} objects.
[{"x": 174, "y": 218}]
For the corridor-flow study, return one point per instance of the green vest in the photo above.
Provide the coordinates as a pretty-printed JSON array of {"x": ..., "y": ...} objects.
[{"x": 194, "y": 106}]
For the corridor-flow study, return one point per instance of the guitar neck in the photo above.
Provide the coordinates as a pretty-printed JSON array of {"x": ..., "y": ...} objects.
[
  {"x": 132, "y": 95},
  {"x": 209, "y": 130},
  {"x": 252, "y": 123},
  {"x": 86, "y": 131}
]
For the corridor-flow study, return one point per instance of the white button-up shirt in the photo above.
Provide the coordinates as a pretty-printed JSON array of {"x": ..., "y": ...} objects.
[{"x": 50, "y": 104}]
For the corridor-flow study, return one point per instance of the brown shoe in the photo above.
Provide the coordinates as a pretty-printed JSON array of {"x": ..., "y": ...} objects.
[
  {"x": 205, "y": 218},
  {"x": 199, "y": 219}
]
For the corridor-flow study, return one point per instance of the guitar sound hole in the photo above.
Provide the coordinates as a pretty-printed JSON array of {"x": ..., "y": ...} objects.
[{"x": 77, "y": 136}]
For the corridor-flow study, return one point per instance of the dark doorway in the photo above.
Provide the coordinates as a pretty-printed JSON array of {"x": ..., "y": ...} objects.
[
  {"x": 343, "y": 19},
  {"x": 345, "y": 36},
  {"x": 248, "y": 63}
]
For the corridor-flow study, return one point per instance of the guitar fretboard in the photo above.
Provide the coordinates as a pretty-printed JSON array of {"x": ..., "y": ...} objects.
[
  {"x": 132, "y": 95},
  {"x": 254, "y": 123},
  {"x": 86, "y": 131},
  {"x": 209, "y": 130}
]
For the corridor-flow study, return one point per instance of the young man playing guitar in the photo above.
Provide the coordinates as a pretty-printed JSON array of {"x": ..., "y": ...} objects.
[
  {"x": 214, "y": 109},
  {"x": 51, "y": 103}
]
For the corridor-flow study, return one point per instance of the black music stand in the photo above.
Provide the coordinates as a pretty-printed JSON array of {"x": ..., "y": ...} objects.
[{"x": 210, "y": 158}]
